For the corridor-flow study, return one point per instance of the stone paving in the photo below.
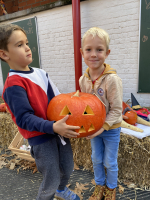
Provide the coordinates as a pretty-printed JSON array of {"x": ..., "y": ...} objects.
[{"x": 24, "y": 185}]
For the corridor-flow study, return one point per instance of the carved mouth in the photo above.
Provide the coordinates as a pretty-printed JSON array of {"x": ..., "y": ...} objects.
[{"x": 82, "y": 129}]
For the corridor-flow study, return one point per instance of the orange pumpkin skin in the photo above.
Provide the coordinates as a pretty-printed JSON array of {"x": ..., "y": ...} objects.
[
  {"x": 132, "y": 117},
  {"x": 124, "y": 105},
  {"x": 2, "y": 107},
  {"x": 86, "y": 111}
]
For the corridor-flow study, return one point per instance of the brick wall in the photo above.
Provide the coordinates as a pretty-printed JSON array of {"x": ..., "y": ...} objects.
[
  {"x": 119, "y": 18},
  {"x": 17, "y": 5},
  {"x": 25, "y": 4},
  {"x": 11, "y": 6}
]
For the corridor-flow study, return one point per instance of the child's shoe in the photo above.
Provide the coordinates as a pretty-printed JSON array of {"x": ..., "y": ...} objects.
[
  {"x": 67, "y": 194},
  {"x": 98, "y": 193},
  {"x": 110, "y": 195}
]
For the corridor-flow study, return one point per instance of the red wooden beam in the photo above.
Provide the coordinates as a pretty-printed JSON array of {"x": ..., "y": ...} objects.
[{"x": 77, "y": 40}]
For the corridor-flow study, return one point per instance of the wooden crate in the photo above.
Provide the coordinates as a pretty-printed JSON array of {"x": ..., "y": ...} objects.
[{"x": 15, "y": 148}]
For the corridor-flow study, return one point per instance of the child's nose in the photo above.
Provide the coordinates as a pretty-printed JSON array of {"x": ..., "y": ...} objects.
[
  {"x": 27, "y": 48},
  {"x": 93, "y": 53}
]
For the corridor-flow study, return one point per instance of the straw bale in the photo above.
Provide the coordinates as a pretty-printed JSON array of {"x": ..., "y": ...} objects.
[
  {"x": 1, "y": 100},
  {"x": 8, "y": 129},
  {"x": 82, "y": 152},
  {"x": 134, "y": 160}
]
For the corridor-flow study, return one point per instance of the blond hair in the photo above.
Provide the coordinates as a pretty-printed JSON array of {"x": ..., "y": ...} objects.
[{"x": 101, "y": 33}]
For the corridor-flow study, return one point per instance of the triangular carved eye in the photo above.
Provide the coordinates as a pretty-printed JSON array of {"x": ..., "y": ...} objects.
[
  {"x": 88, "y": 111},
  {"x": 91, "y": 128},
  {"x": 82, "y": 130},
  {"x": 65, "y": 111}
]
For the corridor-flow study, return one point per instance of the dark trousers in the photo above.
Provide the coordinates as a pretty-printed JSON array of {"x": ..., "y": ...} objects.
[{"x": 55, "y": 162}]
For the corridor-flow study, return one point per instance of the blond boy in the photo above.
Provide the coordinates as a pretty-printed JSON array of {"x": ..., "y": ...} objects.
[{"x": 102, "y": 80}]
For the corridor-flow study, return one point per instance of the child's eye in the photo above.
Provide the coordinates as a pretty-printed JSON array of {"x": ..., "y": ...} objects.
[
  {"x": 27, "y": 43},
  {"x": 88, "y": 49},
  {"x": 100, "y": 49}
]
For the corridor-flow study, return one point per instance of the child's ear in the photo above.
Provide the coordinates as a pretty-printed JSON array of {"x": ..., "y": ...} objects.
[
  {"x": 3, "y": 55},
  {"x": 107, "y": 53},
  {"x": 81, "y": 51}
]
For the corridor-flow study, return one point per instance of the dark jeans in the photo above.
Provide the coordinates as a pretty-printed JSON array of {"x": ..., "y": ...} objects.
[{"x": 55, "y": 162}]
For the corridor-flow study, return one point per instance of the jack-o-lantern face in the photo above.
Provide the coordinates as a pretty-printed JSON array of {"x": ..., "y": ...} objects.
[{"x": 85, "y": 110}]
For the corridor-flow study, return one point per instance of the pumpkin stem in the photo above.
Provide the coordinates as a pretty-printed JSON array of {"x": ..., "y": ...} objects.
[{"x": 76, "y": 94}]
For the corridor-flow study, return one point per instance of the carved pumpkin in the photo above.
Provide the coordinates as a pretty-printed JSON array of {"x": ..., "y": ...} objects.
[
  {"x": 132, "y": 117},
  {"x": 84, "y": 110},
  {"x": 130, "y": 113},
  {"x": 2, "y": 107},
  {"x": 124, "y": 105}
]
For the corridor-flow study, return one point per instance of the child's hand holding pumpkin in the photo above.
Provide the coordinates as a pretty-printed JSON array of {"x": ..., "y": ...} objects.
[
  {"x": 65, "y": 130},
  {"x": 95, "y": 134}
]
